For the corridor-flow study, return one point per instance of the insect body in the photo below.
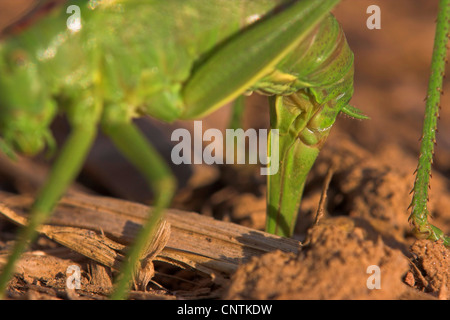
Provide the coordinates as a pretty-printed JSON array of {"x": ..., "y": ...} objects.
[{"x": 173, "y": 59}]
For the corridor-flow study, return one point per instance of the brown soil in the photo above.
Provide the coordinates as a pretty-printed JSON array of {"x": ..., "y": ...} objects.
[{"x": 365, "y": 220}]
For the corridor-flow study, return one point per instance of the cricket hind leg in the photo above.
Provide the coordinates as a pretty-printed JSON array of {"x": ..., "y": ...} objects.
[
  {"x": 137, "y": 149},
  {"x": 63, "y": 173}
]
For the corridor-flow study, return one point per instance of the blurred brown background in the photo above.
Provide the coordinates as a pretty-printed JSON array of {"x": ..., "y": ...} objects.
[{"x": 391, "y": 75}]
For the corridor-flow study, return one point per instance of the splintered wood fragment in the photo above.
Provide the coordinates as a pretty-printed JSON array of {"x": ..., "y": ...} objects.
[{"x": 101, "y": 228}]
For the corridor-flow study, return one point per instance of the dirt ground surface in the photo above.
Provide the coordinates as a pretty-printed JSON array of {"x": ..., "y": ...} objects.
[{"x": 363, "y": 231}]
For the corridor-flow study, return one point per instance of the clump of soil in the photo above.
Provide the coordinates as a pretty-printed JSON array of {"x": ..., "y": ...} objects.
[
  {"x": 431, "y": 272},
  {"x": 334, "y": 265},
  {"x": 365, "y": 224}
]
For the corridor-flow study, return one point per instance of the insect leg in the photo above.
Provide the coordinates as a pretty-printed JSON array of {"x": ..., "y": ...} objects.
[
  {"x": 63, "y": 172},
  {"x": 419, "y": 212},
  {"x": 132, "y": 144}
]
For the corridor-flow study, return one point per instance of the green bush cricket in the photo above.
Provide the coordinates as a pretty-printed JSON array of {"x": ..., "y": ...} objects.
[{"x": 172, "y": 59}]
